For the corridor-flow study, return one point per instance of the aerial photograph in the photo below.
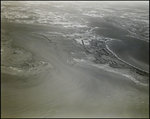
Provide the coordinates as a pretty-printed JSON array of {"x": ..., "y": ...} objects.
[{"x": 74, "y": 59}]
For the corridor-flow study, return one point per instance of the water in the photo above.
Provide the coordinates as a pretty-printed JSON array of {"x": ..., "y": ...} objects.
[
  {"x": 132, "y": 51},
  {"x": 62, "y": 80}
]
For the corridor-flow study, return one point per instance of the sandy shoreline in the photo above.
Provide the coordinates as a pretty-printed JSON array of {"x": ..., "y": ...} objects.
[{"x": 71, "y": 89}]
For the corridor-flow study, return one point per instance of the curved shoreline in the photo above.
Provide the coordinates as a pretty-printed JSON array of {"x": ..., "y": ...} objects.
[{"x": 122, "y": 59}]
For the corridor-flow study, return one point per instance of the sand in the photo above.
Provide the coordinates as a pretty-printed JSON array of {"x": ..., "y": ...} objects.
[{"x": 52, "y": 84}]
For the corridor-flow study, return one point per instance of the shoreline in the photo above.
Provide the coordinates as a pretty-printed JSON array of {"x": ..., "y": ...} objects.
[
  {"x": 117, "y": 71},
  {"x": 122, "y": 59},
  {"x": 68, "y": 90}
]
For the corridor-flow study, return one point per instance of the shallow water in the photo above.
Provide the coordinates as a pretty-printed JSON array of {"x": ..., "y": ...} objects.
[
  {"x": 52, "y": 82},
  {"x": 67, "y": 90}
]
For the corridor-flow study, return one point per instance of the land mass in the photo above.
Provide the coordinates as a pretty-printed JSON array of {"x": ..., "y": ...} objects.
[{"x": 40, "y": 78}]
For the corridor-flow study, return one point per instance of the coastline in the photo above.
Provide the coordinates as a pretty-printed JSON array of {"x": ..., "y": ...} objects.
[
  {"x": 122, "y": 59},
  {"x": 65, "y": 60},
  {"x": 68, "y": 90}
]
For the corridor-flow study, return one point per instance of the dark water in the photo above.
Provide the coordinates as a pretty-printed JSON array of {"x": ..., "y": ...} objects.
[
  {"x": 37, "y": 27},
  {"x": 133, "y": 51},
  {"x": 107, "y": 29}
]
